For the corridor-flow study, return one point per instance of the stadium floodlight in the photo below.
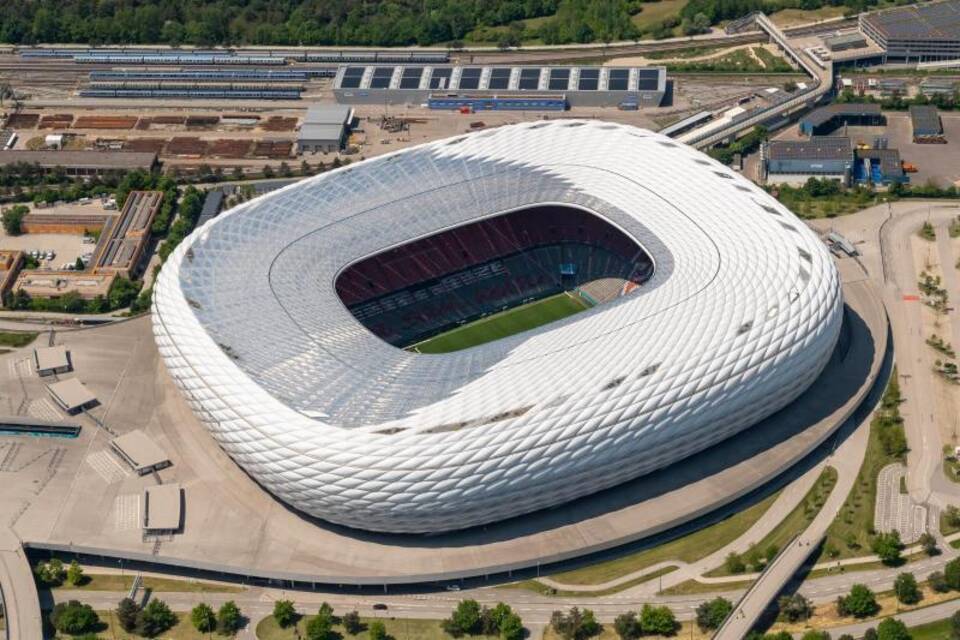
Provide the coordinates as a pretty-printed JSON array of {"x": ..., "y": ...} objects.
[{"x": 740, "y": 315}]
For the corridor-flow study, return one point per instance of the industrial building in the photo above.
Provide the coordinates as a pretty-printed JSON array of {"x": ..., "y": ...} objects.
[
  {"x": 926, "y": 125},
  {"x": 11, "y": 261},
  {"x": 139, "y": 451},
  {"x": 881, "y": 167},
  {"x": 793, "y": 162},
  {"x": 581, "y": 86},
  {"x": 826, "y": 120},
  {"x": 925, "y": 31},
  {"x": 212, "y": 204},
  {"x": 324, "y": 128},
  {"x": 82, "y": 163},
  {"x": 122, "y": 246}
]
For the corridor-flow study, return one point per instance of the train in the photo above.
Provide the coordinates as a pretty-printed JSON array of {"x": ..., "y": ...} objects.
[
  {"x": 233, "y": 94},
  {"x": 266, "y": 75}
]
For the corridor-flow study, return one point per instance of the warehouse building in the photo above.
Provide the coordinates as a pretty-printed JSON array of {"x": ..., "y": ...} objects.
[
  {"x": 826, "y": 120},
  {"x": 881, "y": 167},
  {"x": 926, "y": 31},
  {"x": 82, "y": 163},
  {"x": 925, "y": 121},
  {"x": 324, "y": 129},
  {"x": 793, "y": 162},
  {"x": 122, "y": 247},
  {"x": 582, "y": 86}
]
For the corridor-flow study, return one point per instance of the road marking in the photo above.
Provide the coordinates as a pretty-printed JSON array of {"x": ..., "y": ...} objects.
[
  {"x": 127, "y": 512},
  {"x": 107, "y": 466},
  {"x": 42, "y": 408}
]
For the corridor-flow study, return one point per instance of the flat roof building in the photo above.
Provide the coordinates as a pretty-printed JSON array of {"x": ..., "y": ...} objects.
[
  {"x": 51, "y": 360},
  {"x": 121, "y": 249},
  {"x": 583, "y": 86},
  {"x": 82, "y": 163},
  {"x": 55, "y": 284},
  {"x": 66, "y": 223},
  {"x": 212, "y": 204},
  {"x": 927, "y": 128},
  {"x": 324, "y": 128},
  {"x": 163, "y": 509},
  {"x": 139, "y": 451},
  {"x": 11, "y": 261},
  {"x": 825, "y": 120},
  {"x": 845, "y": 41},
  {"x": 794, "y": 162},
  {"x": 72, "y": 396},
  {"x": 879, "y": 166},
  {"x": 925, "y": 31}
]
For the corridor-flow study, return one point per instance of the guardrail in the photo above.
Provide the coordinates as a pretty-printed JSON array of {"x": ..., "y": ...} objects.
[{"x": 820, "y": 88}]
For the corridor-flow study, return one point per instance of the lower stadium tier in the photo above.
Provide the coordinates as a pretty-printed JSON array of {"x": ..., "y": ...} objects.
[{"x": 283, "y": 323}]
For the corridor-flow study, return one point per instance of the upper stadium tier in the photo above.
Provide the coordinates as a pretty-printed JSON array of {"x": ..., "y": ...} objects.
[{"x": 735, "y": 310}]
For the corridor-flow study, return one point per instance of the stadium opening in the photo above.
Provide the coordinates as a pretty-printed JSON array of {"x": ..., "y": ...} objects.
[{"x": 550, "y": 261}]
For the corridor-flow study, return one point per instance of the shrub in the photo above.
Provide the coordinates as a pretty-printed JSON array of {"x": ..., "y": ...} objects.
[
  {"x": 73, "y": 617},
  {"x": 711, "y": 614},
  {"x": 229, "y": 619},
  {"x": 127, "y": 612},
  {"x": 905, "y": 586},
  {"x": 155, "y": 618},
  {"x": 203, "y": 618},
  {"x": 795, "y": 608},
  {"x": 859, "y": 603},
  {"x": 377, "y": 631},
  {"x": 285, "y": 614}
]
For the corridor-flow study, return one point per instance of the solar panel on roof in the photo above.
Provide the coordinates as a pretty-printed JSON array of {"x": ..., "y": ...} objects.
[
  {"x": 589, "y": 80},
  {"x": 618, "y": 79},
  {"x": 499, "y": 78},
  {"x": 647, "y": 84},
  {"x": 648, "y": 73},
  {"x": 440, "y": 78},
  {"x": 411, "y": 77},
  {"x": 352, "y": 77},
  {"x": 381, "y": 77},
  {"x": 529, "y": 79},
  {"x": 559, "y": 79},
  {"x": 470, "y": 78}
]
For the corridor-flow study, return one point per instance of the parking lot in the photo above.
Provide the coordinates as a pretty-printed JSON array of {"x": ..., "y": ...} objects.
[{"x": 66, "y": 248}]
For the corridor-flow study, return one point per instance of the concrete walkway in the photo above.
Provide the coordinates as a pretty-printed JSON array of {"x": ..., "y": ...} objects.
[{"x": 20, "y": 599}]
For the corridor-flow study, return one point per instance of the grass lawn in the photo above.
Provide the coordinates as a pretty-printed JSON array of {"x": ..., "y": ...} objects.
[
  {"x": 503, "y": 324},
  {"x": 849, "y": 535},
  {"x": 397, "y": 628},
  {"x": 790, "y": 17},
  {"x": 17, "y": 339},
  {"x": 653, "y": 13},
  {"x": 692, "y": 587},
  {"x": 738, "y": 61},
  {"x": 116, "y": 582},
  {"x": 688, "y": 548},
  {"x": 542, "y": 589},
  {"x": 798, "y": 519},
  {"x": 932, "y": 630}
]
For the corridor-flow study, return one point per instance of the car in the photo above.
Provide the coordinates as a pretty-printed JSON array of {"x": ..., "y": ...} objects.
[
  {"x": 453, "y": 587},
  {"x": 379, "y": 607}
]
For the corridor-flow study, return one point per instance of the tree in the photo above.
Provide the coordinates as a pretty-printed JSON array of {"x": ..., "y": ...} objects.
[
  {"x": 13, "y": 219},
  {"x": 813, "y": 634},
  {"x": 887, "y": 546},
  {"x": 734, "y": 563},
  {"x": 951, "y": 573},
  {"x": 955, "y": 626},
  {"x": 952, "y": 515},
  {"x": 267, "y": 171},
  {"x": 377, "y": 631},
  {"x": 657, "y": 621},
  {"x": 284, "y": 613},
  {"x": 938, "y": 582},
  {"x": 78, "y": 265},
  {"x": 465, "y": 619},
  {"x": 795, "y": 608},
  {"x": 351, "y": 622},
  {"x": 127, "y": 612},
  {"x": 929, "y": 544},
  {"x": 50, "y": 573},
  {"x": 511, "y": 627},
  {"x": 859, "y": 603},
  {"x": 73, "y": 617},
  {"x": 892, "y": 629},
  {"x": 229, "y": 618},
  {"x": 905, "y": 586},
  {"x": 203, "y": 618},
  {"x": 627, "y": 626},
  {"x": 320, "y": 627},
  {"x": 711, "y": 614},
  {"x": 285, "y": 170},
  {"x": 576, "y": 624},
  {"x": 155, "y": 618},
  {"x": 75, "y": 574}
]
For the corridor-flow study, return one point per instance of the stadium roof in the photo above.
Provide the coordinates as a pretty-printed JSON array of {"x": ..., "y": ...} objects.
[
  {"x": 739, "y": 317},
  {"x": 932, "y": 21}
]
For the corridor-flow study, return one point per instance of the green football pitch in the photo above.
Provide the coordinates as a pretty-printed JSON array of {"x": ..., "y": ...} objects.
[{"x": 503, "y": 324}]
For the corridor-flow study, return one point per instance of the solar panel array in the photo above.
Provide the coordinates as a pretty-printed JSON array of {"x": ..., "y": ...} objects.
[
  {"x": 501, "y": 78},
  {"x": 939, "y": 21}
]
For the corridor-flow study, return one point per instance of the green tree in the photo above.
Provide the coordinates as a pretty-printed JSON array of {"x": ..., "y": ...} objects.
[
  {"x": 203, "y": 618},
  {"x": 627, "y": 625},
  {"x": 859, "y": 603},
  {"x": 74, "y": 574},
  {"x": 50, "y": 573},
  {"x": 78, "y": 264},
  {"x": 351, "y": 623},
  {"x": 892, "y": 629},
  {"x": 127, "y": 612},
  {"x": 155, "y": 618},
  {"x": 929, "y": 544},
  {"x": 576, "y": 624},
  {"x": 229, "y": 618},
  {"x": 795, "y": 608},
  {"x": 511, "y": 627},
  {"x": 734, "y": 563},
  {"x": 955, "y": 626},
  {"x": 657, "y": 621},
  {"x": 938, "y": 582},
  {"x": 887, "y": 546},
  {"x": 320, "y": 626},
  {"x": 376, "y": 631},
  {"x": 73, "y": 617},
  {"x": 711, "y": 614},
  {"x": 13, "y": 219},
  {"x": 813, "y": 634},
  {"x": 285, "y": 613},
  {"x": 905, "y": 586},
  {"x": 951, "y": 574},
  {"x": 465, "y": 618}
]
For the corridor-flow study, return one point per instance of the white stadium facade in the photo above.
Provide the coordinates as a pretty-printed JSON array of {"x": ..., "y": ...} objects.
[{"x": 281, "y": 321}]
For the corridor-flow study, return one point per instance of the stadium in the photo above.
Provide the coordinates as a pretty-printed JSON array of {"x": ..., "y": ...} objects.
[{"x": 486, "y": 326}]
